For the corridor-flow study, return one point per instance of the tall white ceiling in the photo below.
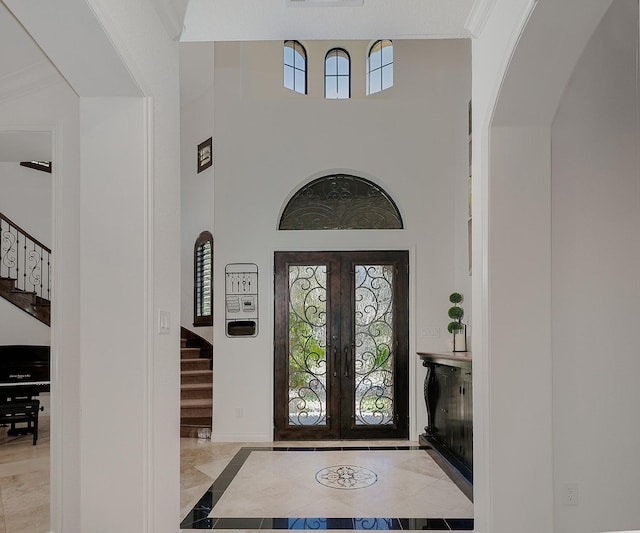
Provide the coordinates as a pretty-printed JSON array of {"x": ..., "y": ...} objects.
[
  {"x": 19, "y": 50},
  {"x": 237, "y": 20},
  {"x": 23, "y": 65},
  {"x": 251, "y": 20}
]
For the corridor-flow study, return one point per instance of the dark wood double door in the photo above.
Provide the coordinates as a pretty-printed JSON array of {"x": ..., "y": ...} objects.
[{"x": 341, "y": 345}]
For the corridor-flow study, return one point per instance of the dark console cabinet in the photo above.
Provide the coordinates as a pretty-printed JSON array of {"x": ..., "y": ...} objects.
[{"x": 448, "y": 392}]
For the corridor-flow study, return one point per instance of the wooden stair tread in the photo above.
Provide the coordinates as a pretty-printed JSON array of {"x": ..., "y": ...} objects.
[
  {"x": 197, "y": 376},
  {"x": 197, "y": 402},
  {"x": 195, "y": 421},
  {"x": 188, "y": 412},
  {"x": 20, "y": 291},
  {"x": 195, "y": 386},
  {"x": 195, "y": 364}
]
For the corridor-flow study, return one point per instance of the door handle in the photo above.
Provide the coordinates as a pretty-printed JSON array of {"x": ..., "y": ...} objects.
[
  {"x": 335, "y": 361},
  {"x": 345, "y": 362}
]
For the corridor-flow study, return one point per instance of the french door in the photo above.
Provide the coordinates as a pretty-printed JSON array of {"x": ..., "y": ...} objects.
[{"x": 341, "y": 345}]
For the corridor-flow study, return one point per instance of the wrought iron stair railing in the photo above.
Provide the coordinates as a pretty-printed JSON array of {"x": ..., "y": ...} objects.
[{"x": 25, "y": 270}]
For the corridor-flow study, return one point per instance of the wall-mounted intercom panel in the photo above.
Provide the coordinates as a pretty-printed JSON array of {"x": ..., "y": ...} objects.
[{"x": 241, "y": 300}]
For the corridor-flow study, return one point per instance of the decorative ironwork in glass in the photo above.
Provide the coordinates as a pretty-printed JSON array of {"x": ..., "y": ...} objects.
[
  {"x": 374, "y": 351},
  {"x": 307, "y": 345},
  {"x": 340, "y": 201}
]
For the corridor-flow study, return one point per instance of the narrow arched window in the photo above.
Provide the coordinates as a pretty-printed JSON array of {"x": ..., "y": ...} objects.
[
  {"x": 380, "y": 66},
  {"x": 295, "y": 67},
  {"x": 337, "y": 74},
  {"x": 203, "y": 280}
]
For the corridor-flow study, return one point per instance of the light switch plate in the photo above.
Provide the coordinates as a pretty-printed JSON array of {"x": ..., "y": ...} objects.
[{"x": 164, "y": 322}]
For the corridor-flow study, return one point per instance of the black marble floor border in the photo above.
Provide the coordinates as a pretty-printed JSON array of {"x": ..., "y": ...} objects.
[{"x": 198, "y": 517}]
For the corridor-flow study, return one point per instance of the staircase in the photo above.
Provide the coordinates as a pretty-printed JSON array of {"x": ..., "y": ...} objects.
[
  {"x": 196, "y": 385},
  {"x": 25, "y": 271},
  {"x": 28, "y": 301}
]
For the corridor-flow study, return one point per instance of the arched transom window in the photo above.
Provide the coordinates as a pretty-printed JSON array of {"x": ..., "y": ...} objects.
[
  {"x": 380, "y": 66},
  {"x": 340, "y": 201}
]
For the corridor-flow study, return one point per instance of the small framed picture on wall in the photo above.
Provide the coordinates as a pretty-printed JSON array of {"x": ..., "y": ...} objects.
[{"x": 205, "y": 154}]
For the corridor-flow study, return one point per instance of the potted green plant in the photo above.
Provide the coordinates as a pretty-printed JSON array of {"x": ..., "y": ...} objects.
[{"x": 456, "y": 327}]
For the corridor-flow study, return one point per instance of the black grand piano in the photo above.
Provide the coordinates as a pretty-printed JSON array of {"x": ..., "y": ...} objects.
[{"x": 24, "y": 374}]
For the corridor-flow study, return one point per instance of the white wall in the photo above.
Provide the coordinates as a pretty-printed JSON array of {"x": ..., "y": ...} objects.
[
  {"x": 519, "y": 277},
  {"x": 134, "y": 439},
  {"x": 118, "y": 360},
  {"x": 596, "y": 288},
  {"x": 26, "y": 199},
  {"x": 196, "y": 190},
  {"x": 521, "y": 390},
  {"x": 17, "y": 327},
  {"x": 412, "y": 140},
  {"x": 492, "y": 49},
  {"x": 117, "y": 229}
]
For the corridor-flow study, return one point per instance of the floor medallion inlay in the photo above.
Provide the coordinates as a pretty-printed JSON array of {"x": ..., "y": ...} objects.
[{"x": 346, "y": 477}]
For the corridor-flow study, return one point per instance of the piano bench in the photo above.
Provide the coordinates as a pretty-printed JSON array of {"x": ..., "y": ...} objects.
[{"x": 20, "y": 412}]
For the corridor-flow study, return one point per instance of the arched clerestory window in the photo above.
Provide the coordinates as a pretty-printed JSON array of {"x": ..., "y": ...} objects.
[
  {"x": 295, "y": 67},
  {"x": 203, "y": 280},
  {"x": 337, "y": 74},
  {"x": 340, "y": 201},
  {"x": 380, "y": 66}
]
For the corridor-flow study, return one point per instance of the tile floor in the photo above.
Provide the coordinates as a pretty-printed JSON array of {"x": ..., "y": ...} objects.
[
  {"x": 331, "y": 485},
  {"x": 24, "y": 481}
]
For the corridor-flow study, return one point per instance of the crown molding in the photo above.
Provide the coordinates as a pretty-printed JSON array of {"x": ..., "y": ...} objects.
[
  {"x": 27, "y": 80},
  {"x": 478, "y": 16}
]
